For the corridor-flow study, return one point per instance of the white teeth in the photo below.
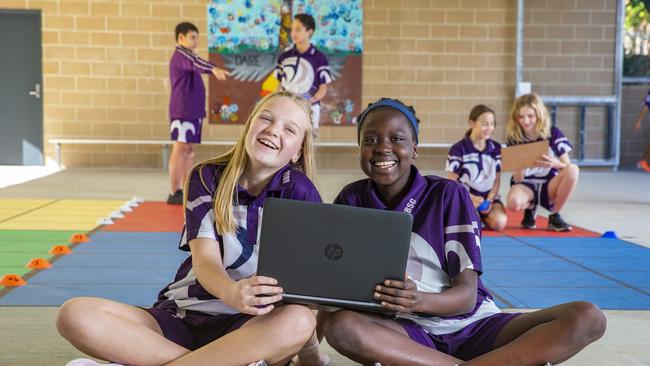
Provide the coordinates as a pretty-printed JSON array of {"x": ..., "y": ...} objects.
[
  {"x": 384, "y": 164},
  {"x": 267, "y": 143}
]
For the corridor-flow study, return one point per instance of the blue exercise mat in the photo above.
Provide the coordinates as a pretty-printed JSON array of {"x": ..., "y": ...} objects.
[
  {"x": 529, "y": 272},
  {"x": 126, "y": 267},
  {"x": 538, "y": 272},
  {"x": 55, "y": 295}
]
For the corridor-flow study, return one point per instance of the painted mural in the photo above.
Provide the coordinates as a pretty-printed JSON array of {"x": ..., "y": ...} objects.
[{"x": 247, "y": 36}]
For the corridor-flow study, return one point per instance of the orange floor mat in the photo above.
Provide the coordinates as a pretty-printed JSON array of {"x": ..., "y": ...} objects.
[
  {"x": 150, "y": 217},
  {"x": 513, "y": 228}
]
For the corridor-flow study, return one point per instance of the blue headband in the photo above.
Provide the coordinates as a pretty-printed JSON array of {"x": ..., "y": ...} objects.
[{"x": 385, "y": 102}]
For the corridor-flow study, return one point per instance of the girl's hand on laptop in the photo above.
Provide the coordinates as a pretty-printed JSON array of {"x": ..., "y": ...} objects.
[
  {"x": 253, "y": 295},
  {"x": 401, "y": 296}
]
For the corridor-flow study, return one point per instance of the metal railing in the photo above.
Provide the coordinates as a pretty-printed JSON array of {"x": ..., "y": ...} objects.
[
  {"x": 611, "y": 102},
  {"x": 582, "y": 102}
]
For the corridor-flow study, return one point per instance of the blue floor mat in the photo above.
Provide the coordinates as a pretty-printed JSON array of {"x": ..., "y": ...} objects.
[
  {"x": 520, "y": 272},
  {"x": 537, "y": 272},
  {"x": 121, "y": 260},
  {"x": 127, "y": 267},
  {"x": 55, "y": 295},
  {"x": 612, "y": 298},
  {"x": 533, "y": 264}
]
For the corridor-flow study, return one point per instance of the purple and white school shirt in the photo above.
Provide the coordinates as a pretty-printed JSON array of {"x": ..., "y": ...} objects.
[
  {"x": 239, "y": 251},
  {"x": 303, "y": 73},
  {"x": 477, "y": 170},
  {"x": 445, "y": 240},
  {"x": 558, "y": 146},
  {"x": 187, "y": 101},
  {"x": 646, "y": 100}
]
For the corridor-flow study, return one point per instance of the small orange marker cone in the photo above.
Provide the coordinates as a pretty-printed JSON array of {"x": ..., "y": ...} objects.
[
  {"x": 12, "y": 280},
  {"x": 60, "y": 250},
  {"x": 79, "y": 238},
  {"x": 38, "y": 263}
]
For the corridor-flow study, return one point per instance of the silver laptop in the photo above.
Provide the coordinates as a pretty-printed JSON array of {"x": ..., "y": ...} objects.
[{"x": 332, "y": 256}]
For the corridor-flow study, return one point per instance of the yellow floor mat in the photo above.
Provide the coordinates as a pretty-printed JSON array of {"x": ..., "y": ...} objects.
[{"x": 66, "y": 214}]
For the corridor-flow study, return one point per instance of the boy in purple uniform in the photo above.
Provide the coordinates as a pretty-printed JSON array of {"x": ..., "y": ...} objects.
[
  {"x": 186, "y": 105},
  {"x": 303, "y": 69},
  {"x": 444, "y": 314},
  {"x": 552, "y": 181},
  {"x": 643, "y": 163},
  {"x": 475, "y": 161},
  {"x": 217, "y": 310}
]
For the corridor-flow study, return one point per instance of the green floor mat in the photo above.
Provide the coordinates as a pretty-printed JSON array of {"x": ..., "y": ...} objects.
[{"x": 18, "y": 247}]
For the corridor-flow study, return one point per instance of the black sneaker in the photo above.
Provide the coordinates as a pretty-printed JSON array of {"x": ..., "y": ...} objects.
[
  {"x": 529, "y": 219},
  {"x": 176, "y": 198},
  {"x": 555, "y": 223}
]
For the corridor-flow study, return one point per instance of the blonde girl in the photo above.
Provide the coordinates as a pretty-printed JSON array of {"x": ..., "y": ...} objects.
[
  {"x": 217, "y": 311},
  {"x": 551, "y": 183}
]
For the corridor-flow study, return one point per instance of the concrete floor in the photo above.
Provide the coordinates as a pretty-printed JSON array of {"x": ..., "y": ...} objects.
[{"x": 603, "y": 201}]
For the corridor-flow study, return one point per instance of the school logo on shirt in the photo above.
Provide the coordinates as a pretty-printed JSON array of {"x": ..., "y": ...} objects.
[
  {"x": 410, "y": 205},
  {"x": 299, "y": 75},
  {"x": 333, "y": 252},
  {"x": 286, "y": 177}
]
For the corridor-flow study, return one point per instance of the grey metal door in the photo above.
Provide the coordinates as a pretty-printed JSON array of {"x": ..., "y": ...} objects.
[{"x": 21, "y": 93}]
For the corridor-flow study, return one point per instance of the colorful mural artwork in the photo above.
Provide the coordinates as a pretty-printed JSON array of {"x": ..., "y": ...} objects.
[{"x": 247, "y": 36}]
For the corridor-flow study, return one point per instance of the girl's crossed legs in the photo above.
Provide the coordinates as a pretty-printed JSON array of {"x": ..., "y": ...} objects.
[
  {"x": 122, "y": 333},
  {"x": 549, "y": 335}
]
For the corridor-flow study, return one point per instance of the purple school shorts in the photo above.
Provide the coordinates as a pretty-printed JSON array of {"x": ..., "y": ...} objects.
[
  {"x": 540, "y": 194},
  {"x": 196, "y": 329},
  {"x": 186, "y": 131},
  {"x": 465, "y": 344}
]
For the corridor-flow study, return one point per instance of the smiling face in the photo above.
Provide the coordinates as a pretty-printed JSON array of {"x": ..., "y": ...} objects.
[
  {"x": 527, "y": 119},
  {"x": 276, "y": 134},
  {"x": 388, "y": 150},
  {"x": 483, "y": 127}
]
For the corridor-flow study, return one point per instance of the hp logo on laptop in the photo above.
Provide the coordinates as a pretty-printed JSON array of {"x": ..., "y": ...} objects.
[{"x": 333, "y": 252}]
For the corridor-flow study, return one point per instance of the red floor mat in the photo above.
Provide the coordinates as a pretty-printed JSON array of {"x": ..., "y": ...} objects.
[
  {"x": 150, "y": 217},
  {"x": 161, "y": 217},
  {"x": 513, "y": 228}
]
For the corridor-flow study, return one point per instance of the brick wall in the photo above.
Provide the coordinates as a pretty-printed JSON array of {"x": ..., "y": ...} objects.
[
  {"x": 105, "y": 75},
  {"x": 443, "y": 57},
  {"x": 105, "y": 68},
  {"x": 569, "y": 50}
]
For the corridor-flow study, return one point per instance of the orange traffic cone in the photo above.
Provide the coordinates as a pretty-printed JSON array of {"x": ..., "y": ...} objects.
[
  {"x": 79, "y": 238},
  {"x": 60, "y": 250},
  {"x": 12, "y": 280},
  {"x": 39, "y": 263}
]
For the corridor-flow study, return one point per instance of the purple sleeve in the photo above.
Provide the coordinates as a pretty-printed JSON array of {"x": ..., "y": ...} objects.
[
  {"x": 191, "y": 62},
  {"x": 559, "y": 143},
  {"x": 646, "y": 100},
  {"x": 454, "y": 159},
  {"x": 323, "y": 71},
  {"x": 199, "y": 208},
  {"x": 279, "y": 74},
  {"x": 350, "y": 195},
  {"x": 306, "y": 191},
  {"x": 340, "y": 200},
  {"x": 204, "y": 63},
  {"x": 462, "y": 235}
]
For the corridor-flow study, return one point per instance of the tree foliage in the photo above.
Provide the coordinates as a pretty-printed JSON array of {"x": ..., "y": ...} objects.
[{"x": 636, "y": 13}]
